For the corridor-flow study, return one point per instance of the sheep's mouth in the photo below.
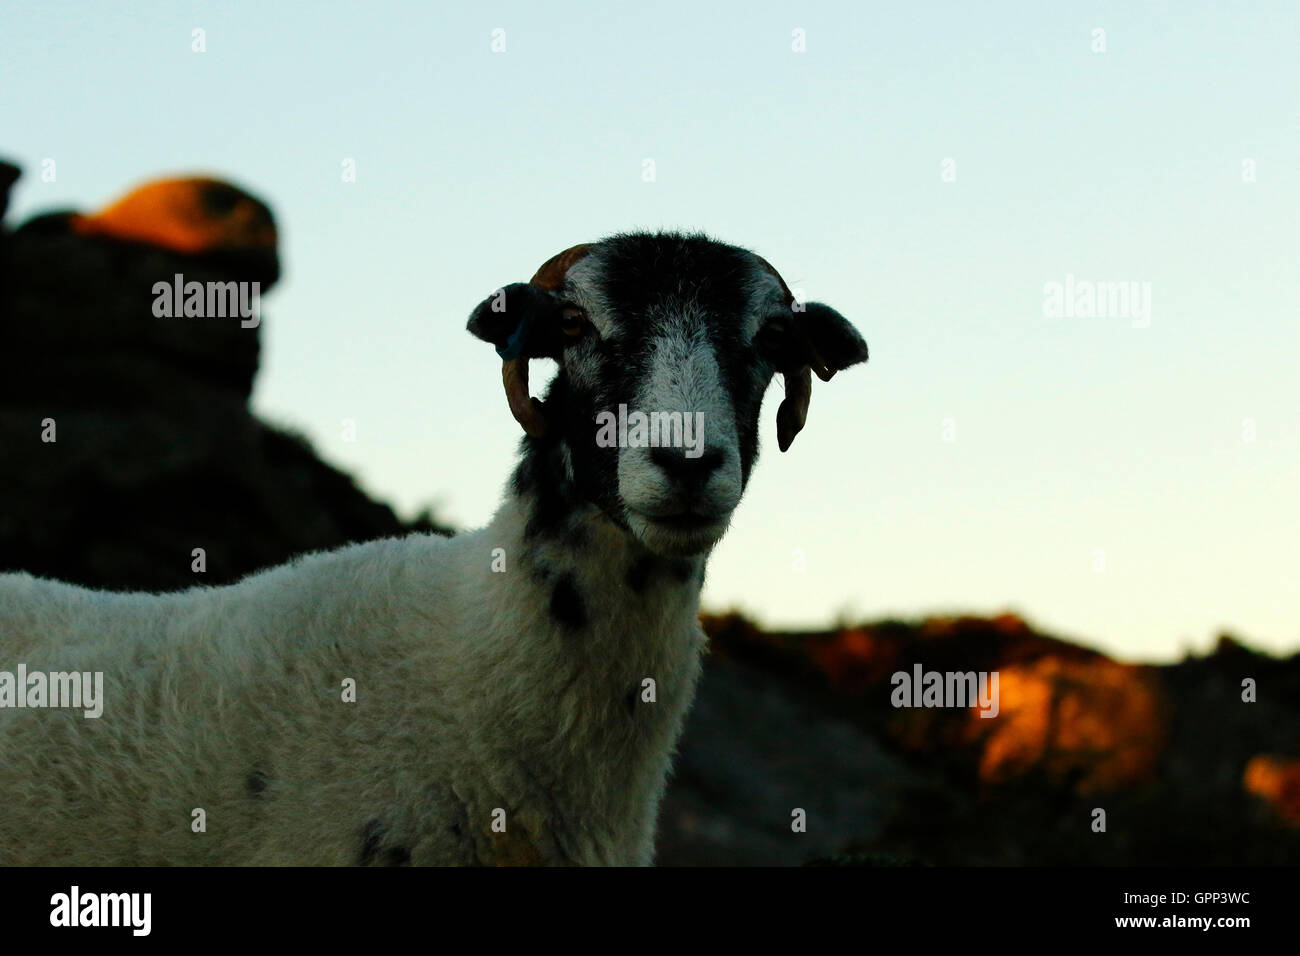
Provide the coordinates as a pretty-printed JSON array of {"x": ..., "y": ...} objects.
[
  {"x": 684, "y": 533},
  {"x": 686, "y": 522}
]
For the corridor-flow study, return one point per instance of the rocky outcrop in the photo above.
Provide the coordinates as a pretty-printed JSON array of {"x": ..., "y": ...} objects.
[
  {"x": 127, "y": 438},
  {"x": 1186, "y": 769}
]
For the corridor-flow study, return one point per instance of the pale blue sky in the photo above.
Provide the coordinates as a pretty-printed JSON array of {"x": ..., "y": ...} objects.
[{"x": 473, "y": 167}]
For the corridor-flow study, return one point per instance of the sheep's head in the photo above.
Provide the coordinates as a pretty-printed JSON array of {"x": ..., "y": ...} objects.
[{"x": 666, "y": 344}]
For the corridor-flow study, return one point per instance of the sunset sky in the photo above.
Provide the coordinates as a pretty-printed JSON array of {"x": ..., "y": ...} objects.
[{"x": 925, "y": 169}]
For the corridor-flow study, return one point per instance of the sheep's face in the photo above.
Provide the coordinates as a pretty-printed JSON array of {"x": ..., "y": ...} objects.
[{"x": 666, "y": 344}]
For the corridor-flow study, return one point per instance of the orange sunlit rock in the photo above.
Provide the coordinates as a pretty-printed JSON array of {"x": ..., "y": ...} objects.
[
  {"x": 1097, "y": 723},
  {"x": 1276, "y": 780},
  {"x": 1010, "y": 624},
  {"x": 853, "y": 659},
  {"x": 191, "y": 215},
  {"x": 1067, "y": 716}
]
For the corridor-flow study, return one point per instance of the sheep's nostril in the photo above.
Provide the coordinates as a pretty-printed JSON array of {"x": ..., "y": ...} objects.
[{"x": 685, "y": 471}]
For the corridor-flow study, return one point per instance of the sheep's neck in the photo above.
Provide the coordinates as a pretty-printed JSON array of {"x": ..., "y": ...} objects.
[{"x": 565, "y": 541}]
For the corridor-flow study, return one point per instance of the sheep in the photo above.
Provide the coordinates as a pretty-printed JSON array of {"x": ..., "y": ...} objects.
[{"x": 511, "y": 695}]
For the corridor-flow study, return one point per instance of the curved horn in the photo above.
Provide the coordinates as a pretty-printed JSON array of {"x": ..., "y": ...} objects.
[
  {"x": 793, "y": 411},
  {"x": 789, "y": 296},
  {"x": 526, "y": 409},
  {"x": 551, "y": 275}
]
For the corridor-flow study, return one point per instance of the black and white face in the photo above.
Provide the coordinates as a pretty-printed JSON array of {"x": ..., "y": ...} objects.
[{"x": 666, "y": 345}]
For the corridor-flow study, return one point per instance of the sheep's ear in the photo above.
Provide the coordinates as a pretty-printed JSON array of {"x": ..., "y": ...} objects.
[
  {"x": 524, "y": 320},
  {"x": 832, "y": 343},
  {"x": 815, "y": 338},
  {"x": 521, "y": 321}
]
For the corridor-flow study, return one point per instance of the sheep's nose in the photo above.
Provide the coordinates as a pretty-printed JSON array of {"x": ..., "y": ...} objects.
[{"x": 688, "y": 474}]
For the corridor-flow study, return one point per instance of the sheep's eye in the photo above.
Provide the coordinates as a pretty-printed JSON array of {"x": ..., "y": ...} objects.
[{"x": 573, "y": 321}]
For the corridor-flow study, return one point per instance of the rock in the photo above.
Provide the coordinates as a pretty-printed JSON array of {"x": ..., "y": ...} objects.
[
  {"x": 806, "y": 719},
  {"x": 156, "y": 453},
  {"x": 1276, "y": 781}
]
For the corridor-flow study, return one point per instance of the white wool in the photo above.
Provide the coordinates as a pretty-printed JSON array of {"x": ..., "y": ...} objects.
[{"x": 470, "y": 698}]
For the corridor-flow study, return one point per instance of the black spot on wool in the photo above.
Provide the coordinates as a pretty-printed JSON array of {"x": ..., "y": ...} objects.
[
  {"x": 256, "y": 783},
  {"x": 566, "y": 604},
  {"x": 638, "y": 575},
  {"x": 373, "y": 851},
  {"x": 540, "y": 476},
  {"x": 681, "y": 569},
  {"x": 397, "y": 856},
  {"x": 370, "y": 839}
]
